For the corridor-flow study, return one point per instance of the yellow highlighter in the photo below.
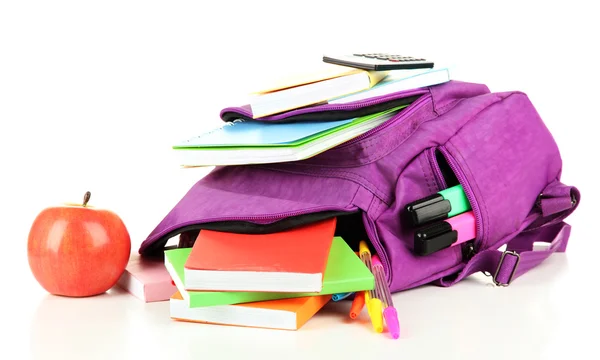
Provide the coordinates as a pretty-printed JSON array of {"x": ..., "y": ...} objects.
[{"x": 372, "y": 299}]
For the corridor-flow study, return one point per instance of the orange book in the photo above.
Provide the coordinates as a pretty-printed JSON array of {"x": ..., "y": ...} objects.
[
  {"x": 287, "y": 261},
  {"x": 284, "y": 314}
]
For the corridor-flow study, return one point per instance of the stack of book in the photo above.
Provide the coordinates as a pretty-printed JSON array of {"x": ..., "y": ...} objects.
[
  {"x": 277, "y": 281},
  {"x": 251, "y": 137}
]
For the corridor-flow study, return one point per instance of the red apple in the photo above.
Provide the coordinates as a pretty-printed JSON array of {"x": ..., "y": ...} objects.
[{"x": 78, "y": 250}]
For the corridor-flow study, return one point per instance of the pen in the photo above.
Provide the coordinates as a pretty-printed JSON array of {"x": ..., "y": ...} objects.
[
  {"x": 389, "y": 312},
  {"x": 441, "y": 205},
  {"x": 357, "y": 304},
  {"x": 340, "y": 296},
  {"x": 371, "y": 299},
  {"x": 440, "y": 235}
]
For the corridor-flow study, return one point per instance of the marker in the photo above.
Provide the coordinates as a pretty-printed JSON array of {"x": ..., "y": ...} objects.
[
  {"x": 450, "y": 232},
  {"x": 441, "y": 205},
  {"x": 340, "y": 296},
  {"x": 371, "y": 299},
  {"x": 389, "y": 312}
]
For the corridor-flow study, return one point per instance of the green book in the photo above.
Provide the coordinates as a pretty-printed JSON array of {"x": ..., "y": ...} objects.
[{"x": 345, "y": 272}]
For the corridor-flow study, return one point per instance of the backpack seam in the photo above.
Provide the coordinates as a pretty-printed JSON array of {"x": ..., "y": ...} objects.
[{"x": 337, "y": 174}]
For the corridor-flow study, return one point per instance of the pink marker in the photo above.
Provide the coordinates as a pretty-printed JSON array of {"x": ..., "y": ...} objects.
[
  {"x": 383, "y": 293},
  {"x": 442, "y": 234}
]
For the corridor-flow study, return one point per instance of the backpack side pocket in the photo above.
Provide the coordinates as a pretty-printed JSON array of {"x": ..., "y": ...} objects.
[{"x": 505, "y": 156}]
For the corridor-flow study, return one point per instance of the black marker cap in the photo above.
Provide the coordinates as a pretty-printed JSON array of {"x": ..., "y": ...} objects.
[
  {"x": 434, "y": 237},
  {"x": 428, "y": 209}
]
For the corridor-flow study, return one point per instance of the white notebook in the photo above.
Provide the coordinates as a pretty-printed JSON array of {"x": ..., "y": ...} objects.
[
  {"x": 399, "y": 80},
  {"x": 313, "y": 90}
]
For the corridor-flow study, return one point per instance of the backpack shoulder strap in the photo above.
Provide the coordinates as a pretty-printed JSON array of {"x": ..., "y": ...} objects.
[{"x": 520, "y": 255}]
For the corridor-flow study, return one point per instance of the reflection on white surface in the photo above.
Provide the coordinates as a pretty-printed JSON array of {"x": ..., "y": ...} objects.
[{"x": 469, "y": 320}]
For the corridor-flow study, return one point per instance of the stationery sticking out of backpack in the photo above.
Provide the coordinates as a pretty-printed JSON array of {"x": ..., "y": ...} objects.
[
  {"x": 495, "y": 145},
  {"x": 293, "y": 260}
]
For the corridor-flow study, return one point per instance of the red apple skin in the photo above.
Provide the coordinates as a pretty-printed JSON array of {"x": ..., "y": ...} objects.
[{"x": 78, "y": 251}]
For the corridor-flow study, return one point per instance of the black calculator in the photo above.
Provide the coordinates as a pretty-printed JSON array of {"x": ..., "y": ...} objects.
[{"x": 378, "y": 61}]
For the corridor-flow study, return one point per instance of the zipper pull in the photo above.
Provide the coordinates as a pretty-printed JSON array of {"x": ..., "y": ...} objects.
[{"x": 468, "y": 250}]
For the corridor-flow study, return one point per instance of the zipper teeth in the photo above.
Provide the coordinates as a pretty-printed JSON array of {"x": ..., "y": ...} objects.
[
  {"x": 436, "y": 170},
  {"x": 403, "y": 113},
  {"x": 282, "y": 215},
  {"x": 365, "y": 103},
  {"x": 349, "y": 106},
  {"x": 468, "y": 191},
  {"x": 378, "y": 248}
]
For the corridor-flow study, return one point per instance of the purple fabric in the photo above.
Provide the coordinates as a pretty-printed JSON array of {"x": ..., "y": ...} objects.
[
  {"x": 487, "y": 261},
  {"x": 246, "y": 111},
  {"x": 556, "y": 198},
  {"x": 495, "y": 143}
]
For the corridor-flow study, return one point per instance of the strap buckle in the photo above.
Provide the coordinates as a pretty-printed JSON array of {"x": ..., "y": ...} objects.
[{"x": 512, "y": 273}]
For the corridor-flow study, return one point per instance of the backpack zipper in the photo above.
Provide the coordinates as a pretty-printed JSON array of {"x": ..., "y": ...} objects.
[
  {"x": 320, "y": 112},
  {"x": 468, "y": 192},
  {"x": 403, "y": 113},
  {"x": 254, "y": 224}
]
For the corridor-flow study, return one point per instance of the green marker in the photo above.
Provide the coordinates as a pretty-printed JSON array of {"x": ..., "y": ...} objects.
[{"x": 441, "y": 205}]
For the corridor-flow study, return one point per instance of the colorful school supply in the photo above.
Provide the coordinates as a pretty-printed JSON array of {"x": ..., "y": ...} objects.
[
  {"x": 283, "y": 314},
  {"x": 147, "y": 279},
  {"x": 389, "y": 311},
  {"x": 441, "y": 205},
  {"x": 399, "y": 80},
  {"x": 371, "y": 298},
  {"x": 325, "y": 82},
  {"x": 442, "y": 234},
  {"x": 303, "y": 140},
  {"x": 293, "y": 260},
  {"x": 344, "y": 273}
]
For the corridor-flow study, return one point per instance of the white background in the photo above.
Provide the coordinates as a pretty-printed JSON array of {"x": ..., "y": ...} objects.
[{"x": 93, "y": 94}]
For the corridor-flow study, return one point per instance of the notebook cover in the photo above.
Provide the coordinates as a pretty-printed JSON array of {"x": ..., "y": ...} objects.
[
  {"x": 299, "y": 250},
  {"x": 147, "y": 279},
  {"x": 304, "y": 308},
  {"x": 345, "y": 272},
  {"x": 240, "y": 133},
  {"x": 319, "y": 72}
]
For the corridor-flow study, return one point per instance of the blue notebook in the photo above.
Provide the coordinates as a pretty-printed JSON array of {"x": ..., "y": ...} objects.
[
  {"x": 242, "y": 133},
  {"x": 255, "y": 142}
]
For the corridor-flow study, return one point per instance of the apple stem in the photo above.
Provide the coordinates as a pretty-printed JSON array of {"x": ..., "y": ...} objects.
[{"x": 86, "y": 198}]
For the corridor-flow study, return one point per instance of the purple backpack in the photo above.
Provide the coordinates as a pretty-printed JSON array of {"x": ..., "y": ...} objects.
[{"x": 493, "y": 144}]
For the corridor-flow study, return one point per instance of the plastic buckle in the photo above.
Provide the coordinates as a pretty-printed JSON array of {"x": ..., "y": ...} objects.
[{"x": 512, "y": 274}]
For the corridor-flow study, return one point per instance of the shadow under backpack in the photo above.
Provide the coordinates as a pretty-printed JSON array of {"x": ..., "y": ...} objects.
[{"x": 493, "y": 144}]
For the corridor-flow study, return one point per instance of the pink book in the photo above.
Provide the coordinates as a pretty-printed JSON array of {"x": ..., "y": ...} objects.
[{"x": 147, "y": 279}]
